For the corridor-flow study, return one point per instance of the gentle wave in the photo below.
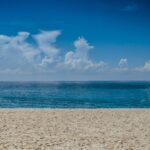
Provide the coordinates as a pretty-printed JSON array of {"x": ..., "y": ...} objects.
[{"x": 77, "y": 94}]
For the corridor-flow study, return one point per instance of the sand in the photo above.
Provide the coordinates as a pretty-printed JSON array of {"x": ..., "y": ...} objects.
[{"x": 75, "y": 129}]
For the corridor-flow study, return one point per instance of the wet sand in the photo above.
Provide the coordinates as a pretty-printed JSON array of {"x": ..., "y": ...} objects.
[{"x": 75, "y": 129}]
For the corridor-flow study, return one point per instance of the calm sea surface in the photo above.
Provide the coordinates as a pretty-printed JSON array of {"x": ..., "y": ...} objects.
[{"x": 75, "y": 94}]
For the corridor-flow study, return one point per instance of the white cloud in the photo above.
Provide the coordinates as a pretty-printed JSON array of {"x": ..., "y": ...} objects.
[
  {"x": 28, "y": 54},
  {"x": 45, "y": 41},
  {"x": 37, "y": 56},
  {"x": 17, "y": 52},
  {"x": 79, "y": 58},
  {"x": 145, "y": 68},
  {"x": 20, "y": 53},
  {"x": 122, "y": 65}
]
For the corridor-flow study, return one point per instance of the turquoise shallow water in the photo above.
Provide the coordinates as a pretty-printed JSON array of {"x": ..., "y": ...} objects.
[{"x": 75, "y": 94}]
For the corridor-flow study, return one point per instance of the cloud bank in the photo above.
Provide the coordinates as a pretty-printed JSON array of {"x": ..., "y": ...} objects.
[
  {"x": 40, "y": 53},
  {"x": 26, "y": 54}
]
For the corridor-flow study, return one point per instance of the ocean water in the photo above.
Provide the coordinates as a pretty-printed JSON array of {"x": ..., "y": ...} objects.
[{"x": 75, "y": 94}]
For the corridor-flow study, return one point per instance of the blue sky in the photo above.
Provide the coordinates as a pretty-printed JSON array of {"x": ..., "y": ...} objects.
[{"x": 75, "y": 40}]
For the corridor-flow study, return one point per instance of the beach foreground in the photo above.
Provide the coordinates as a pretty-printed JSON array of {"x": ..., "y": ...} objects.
[{"x": 75, "y": 129}]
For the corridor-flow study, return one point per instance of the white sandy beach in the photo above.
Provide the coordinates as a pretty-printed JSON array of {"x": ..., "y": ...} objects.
[{"x": 75, "y": 129}]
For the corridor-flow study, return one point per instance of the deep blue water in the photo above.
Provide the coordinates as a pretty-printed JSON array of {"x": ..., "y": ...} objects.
[{"x": 75, "y": 94}]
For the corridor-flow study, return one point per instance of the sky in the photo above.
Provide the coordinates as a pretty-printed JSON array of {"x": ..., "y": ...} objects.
[{"x": 48, "y": 40}]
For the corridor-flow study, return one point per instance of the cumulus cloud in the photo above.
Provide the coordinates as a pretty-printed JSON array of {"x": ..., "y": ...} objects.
[
  {"x": 45, "y": 41},
  {"x": 17, "y": 52},
  {"x": 20, "y": 53},
  {"x": 79, "y": 58},
  {"x": 122, "y": 65},
  {"x": 145, "y": 68},
  {"x": 27, "y": 54}
]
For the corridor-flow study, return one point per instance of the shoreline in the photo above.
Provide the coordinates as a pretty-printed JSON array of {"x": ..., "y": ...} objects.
[{"x": 74, "y": 129}]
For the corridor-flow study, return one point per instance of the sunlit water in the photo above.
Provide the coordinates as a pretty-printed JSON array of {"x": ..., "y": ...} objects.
[{"x": 75, "y": 94}]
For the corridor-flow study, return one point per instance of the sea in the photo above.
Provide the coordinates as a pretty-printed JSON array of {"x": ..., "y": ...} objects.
[{"x": 85, "y": 94}]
